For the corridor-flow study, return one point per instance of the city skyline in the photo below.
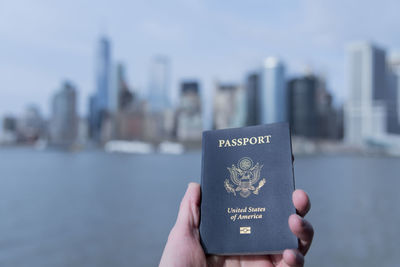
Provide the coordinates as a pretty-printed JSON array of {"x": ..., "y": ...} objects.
[
  {"x": 234, "y": 40},
  {"x": 115, "y": 112}
]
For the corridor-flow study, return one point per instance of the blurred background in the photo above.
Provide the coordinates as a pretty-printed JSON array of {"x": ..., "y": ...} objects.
[{"x": 102, "y": 107}]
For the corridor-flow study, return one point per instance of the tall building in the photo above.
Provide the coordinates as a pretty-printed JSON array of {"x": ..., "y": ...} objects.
[
  {"x": 393, "y": 96},
  {"x": 31, "y": 125},
  {"x": 120, "y": 95},
  {"x": 64, "y": 120},
  {"x": 365, "y": 110},
  {"x": 253, "y": 98},
  {"x": 229, "y": 106},
  {"x": 328, "y": 117},
  {"x": 310, "y": 109},
  {"x": 9, "y": 130},
  {"x": 100, "y": 101},
  {"x": 303, "y": 106},
  {"x": 123, "y": 116},
  {"x": 188, "y": 122},
  {"x": 273, "y": 95},
  {"x": 93, "y": 127},
  {"x": 103, "y": 73},
  {"x": 159, "y": 94}
]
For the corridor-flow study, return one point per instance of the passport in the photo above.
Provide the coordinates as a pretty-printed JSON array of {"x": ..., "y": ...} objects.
[{"x": 247, "y": 183}]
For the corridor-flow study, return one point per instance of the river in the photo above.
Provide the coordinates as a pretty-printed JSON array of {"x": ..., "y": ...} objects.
[{"x": 97, "y": 209}]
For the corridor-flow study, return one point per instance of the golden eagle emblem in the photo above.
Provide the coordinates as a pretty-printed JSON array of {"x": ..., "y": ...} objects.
[{"x": 244, "y": 175}]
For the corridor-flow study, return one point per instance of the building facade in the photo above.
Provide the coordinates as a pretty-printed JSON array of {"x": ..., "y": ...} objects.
[
  {"x": 188, "y": 118},
  {"x": 303, "y": 106},
  {"x": 273, "y": 96},
  {"x": 365, "y": 110},
  {"x": 159, "y": 89},
  {"x": 253, "y": 98},
  {"x": 64, "y": 119},
  {"x": 311, "y": 111},
  {"x": 230, "y": 106},
  {"x": 99, "y": 105},
  {"x": 393, "y": 96}
]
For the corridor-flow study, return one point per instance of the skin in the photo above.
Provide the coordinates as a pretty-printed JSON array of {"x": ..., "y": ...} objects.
[{"x": 183, "y": 247}]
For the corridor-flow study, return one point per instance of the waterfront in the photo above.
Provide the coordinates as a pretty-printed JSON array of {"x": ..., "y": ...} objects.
[{"x": 99, "y": 209}]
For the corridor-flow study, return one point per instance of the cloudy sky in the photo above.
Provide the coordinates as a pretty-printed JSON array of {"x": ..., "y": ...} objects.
[{"x": 43, "y": 43}]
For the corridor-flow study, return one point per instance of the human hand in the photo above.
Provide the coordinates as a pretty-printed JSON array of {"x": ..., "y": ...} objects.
[{"x": 183, "y": 247}]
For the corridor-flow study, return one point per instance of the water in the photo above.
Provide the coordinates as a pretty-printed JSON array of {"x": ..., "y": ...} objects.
[{"x": 98, "y": 209}]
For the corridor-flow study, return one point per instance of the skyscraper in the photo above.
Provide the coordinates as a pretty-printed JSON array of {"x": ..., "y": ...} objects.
[
  {"x": 273, "y": 95},
  {"x": 310, "y": 110},
  {"x": 229, "y": 106},
  {"x": 64, "y": 121},
  {"x": 8, "y": 135},
  {"x": 253, "y": 98},
  {"x": 100, "y": 101},
  {"x": 303, "y": 106},
  {"x": 121, "y": 113},
  {"x": 103, "y": 66},
  {"x": 31, "y": 125},
  {"x": 365, "y": 110},
  {"x": 393, "y": 96},
  {"x": 92, "y": 118},
  {"x": 159, "y": 95},
  {"x": 188, "y": 117},
  {"x": 120, "y": 95}
]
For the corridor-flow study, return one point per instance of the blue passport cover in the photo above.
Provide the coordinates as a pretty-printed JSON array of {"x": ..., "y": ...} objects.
[{"x": 247, "y": 183}]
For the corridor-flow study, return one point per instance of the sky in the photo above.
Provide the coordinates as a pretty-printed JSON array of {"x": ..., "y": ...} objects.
[{"x": 43, "y": 43}]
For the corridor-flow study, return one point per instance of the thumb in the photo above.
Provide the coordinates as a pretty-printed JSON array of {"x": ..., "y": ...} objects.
[
  {"x": 183, "y": 247},
  {"x": 189, "y": 214}
]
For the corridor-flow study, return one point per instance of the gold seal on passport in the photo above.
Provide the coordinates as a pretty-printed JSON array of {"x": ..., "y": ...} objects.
[{"x": 244, "y": 176}]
